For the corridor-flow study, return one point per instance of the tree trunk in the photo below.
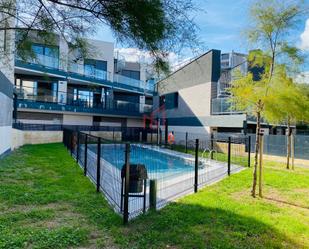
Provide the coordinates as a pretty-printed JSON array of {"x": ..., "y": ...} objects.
[
  {"x": 288, "y": 154},
  {"x": 257, "y": 144},
  {"x": 261, "y": 167}
]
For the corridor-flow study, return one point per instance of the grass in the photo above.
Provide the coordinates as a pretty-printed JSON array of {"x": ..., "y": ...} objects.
[{"x": 46, "y": 202}]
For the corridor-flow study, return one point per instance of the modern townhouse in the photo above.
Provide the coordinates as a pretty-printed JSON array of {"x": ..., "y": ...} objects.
[
  {"x": 194, "y": 98},
  {"x": 58, "y": 86}
]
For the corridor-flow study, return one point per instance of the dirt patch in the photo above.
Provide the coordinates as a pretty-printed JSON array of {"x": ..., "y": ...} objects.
[
  {"x": 276, "y": 197},
  {"x": 244, "y": 194}
]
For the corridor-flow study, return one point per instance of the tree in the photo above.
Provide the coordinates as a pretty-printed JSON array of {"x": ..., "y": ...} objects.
[
  {"x": 290, "y": 105},
  {"x": 252, "y": 96},
  {"x": 271, "y": 22},
  {"x": 159, "y": 26}
]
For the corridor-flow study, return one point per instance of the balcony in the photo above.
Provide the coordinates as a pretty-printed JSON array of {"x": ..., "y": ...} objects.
[
  {"x": 66, "y": 102},
  {"x": 98, "y": 74},
  {"x": 120, "y": 79},
  {"x": 50, "y": 65},
  {"x": 221, "y": 106}
]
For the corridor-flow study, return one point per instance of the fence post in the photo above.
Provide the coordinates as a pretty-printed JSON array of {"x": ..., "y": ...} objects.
[
  {"x": 166, "y": 132},
  {"x": 153, "y": 194},
  {"x": 211, "y": 145},
  {"x": 77, "y": 148},
  {"x": 71, "y": 143},
  {"x": 196, "y": 165},
  {"x": 249, "y": 150},
  {"x": 99, "y": 164},
  {"x": 127, "y": 185},
  {"x": 186, "y": 142},
  {"x": 86, "y": 154},
  {"x": 151, "y": 136},
  {"x": 229, "y": 157},
  {"x": 158, "y": 131}
]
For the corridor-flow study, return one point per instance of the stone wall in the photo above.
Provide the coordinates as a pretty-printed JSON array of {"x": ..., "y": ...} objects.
[{"x": 20, "y": 137}]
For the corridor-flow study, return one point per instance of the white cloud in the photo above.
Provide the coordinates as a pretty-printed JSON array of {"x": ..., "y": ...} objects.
[
  {"x": 304, "y": 37},
  {"x": 303, "y": 78}
]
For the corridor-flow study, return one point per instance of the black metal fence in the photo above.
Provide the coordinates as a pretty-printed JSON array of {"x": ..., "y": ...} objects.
[{"x": 147, "y": 172}]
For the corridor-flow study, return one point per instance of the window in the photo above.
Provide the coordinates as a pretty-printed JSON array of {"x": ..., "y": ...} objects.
[
  {"x": 170, "y": 100},
  {"x": 131, "y": 74},
  {"x": 225, "y": 56},
  {"x": 46, "y": 55},
  {"x": 83, "y": 97},
  {"x": 95, "y": 68}
]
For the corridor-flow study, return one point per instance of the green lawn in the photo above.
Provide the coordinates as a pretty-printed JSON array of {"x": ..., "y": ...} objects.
[{"x": 46, "y": 202}]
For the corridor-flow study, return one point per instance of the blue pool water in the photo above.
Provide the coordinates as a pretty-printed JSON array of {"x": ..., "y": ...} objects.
[{"x": 155, "y": 161}]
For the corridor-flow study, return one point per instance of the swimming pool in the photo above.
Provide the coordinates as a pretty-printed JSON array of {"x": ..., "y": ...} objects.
[
  {"x": 174, "y": 172},
  {"x": 159, "y": 162}
]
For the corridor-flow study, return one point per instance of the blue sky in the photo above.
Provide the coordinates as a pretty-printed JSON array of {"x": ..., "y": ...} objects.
[{"x": 220, "y": 25}]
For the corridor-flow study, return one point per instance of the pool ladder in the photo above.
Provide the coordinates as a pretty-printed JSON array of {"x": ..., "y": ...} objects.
[{"x": 210, "y": 153}]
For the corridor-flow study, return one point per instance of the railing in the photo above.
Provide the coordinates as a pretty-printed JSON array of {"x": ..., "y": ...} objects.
[
  {"x": 222, "y": 106},
  {"x": 133, "y": 82},
  {"x": 94, "y": 73},
  {"x": 43, "y": 60},
  {"x": 62, "y": 101},
  {"x": 59, "y": 127}
]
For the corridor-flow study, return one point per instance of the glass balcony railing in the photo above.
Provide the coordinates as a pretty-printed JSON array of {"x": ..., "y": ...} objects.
[
  {"x": 222, "y": 106},
  {"x": 96, "y": 74},
  {"x": 43, "y": 60},
  {"x": 148, "y": 86},
  {"x": 93, "y": 73},
  {"x": 36, "y": 98}
]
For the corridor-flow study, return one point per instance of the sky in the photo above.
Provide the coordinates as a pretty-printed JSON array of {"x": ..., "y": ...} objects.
[{"x": 220, "y": 24}]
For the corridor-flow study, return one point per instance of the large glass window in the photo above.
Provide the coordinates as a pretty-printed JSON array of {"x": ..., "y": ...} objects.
[
  {"x": 83, "y": 97},
  {"x": 46, "y": 55},
  {"x": 95, "y": 68},
  {"x": 37, "y": 90},
  {"x": 131, "y": 74}
]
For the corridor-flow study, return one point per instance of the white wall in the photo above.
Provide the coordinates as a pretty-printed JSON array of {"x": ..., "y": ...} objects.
[
  {"x": 6, "y": 138},
  {"x": 36, "y": 121},
  {"x": 107, "y": 123},
  {"x": 195, "y": 99},
  {"x": 77, "y": 119},
  {"x": 134, "y": 122},
  {"x": 63, "y": 54}
]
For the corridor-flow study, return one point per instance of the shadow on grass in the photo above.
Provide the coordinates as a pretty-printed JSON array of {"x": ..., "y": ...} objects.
[
  {"x": 285, "y": 202},
  {"x": 194, "y": 226}
]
